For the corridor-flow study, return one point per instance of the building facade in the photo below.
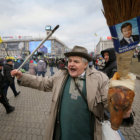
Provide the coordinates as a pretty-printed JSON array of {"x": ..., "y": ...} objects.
[
  {"x": 21, "y": 47},
  {"x": 103, "y": 44}
]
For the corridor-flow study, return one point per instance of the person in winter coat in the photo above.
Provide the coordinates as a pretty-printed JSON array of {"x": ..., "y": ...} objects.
[
  {"x": 3, "y": 99},
  {"x": 51, "y": 65},
  {"x": 77, "y": 93},
  {"x": 110, "y": 62},
  {"x": 16, "y": 63},
  {"x": 61, "y": 63},
  {"x": 41, "y": 68},
  {"x": 139, "y": 56},
  {"x": 32, "y": 68},
  {"x": 8, "y": 67}
]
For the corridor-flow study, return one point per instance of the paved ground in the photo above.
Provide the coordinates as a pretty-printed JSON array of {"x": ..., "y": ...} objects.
[
  {"x": 133, "y": 133},
  {"x": 29, "y": 120},
  {"x": 135, "y": 66}
]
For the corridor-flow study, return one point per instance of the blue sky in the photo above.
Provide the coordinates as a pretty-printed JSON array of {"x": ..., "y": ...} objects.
[{"x": 79, "y": 20}]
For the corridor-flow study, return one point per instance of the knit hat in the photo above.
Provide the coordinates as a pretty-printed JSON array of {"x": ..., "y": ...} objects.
[{"x": 9, "y": 60}]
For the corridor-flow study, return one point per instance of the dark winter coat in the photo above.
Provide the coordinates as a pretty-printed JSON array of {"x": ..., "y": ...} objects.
[
  {"x": 110, "y": 66},
  {"x": 51, "y": 63},
  {"x": 2, "y": 83},
  {"x": 7, "y": 73},
  {"x": 123, "y": 42}
]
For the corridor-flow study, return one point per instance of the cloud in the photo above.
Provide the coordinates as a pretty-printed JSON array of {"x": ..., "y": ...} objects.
[{"x": 79, "y": 20}]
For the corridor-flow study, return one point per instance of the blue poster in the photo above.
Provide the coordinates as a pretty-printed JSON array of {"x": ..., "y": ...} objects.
[
  {"x": 45, "y": 48},
  {"x": 126, "y": 35}
]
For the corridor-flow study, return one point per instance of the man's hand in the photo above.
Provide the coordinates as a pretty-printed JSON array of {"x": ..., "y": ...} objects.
[{"x": 16, "y": 73}]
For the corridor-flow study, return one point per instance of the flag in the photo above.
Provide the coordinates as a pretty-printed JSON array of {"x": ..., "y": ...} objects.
[
  {"x": 95, "y": 34},
  {"x": 0, "y": 40}
]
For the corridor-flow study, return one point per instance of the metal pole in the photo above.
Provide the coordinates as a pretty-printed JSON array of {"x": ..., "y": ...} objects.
[
  {"x": 5, "y": 47},
  {"x": 47, "y": 37}
]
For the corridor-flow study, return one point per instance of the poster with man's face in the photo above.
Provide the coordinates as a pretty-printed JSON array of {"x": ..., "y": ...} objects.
[
  {"x": 126, "y": 35},
  {"x": 45, "y": 48}
]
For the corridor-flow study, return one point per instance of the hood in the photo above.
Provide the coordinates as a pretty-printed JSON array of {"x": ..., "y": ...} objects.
[
  {"x": 40, "y": 62},
  {"x": 112, "y": 55}
]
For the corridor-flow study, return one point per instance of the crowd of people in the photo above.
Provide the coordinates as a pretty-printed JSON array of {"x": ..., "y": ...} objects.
[
  {"x": 79, "y": 86},
  {"x": 39, "y": 67},
  {"x": 34, "y": 67}
]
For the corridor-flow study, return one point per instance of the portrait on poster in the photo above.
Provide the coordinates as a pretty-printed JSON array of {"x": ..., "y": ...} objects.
[{"x": 126, "y": 34}]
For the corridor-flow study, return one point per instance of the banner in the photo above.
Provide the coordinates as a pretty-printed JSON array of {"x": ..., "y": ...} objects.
[{"x": 126, "y": 35}]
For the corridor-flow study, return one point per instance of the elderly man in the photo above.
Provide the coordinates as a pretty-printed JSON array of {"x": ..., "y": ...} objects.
[{"x": 77, "y": 91}]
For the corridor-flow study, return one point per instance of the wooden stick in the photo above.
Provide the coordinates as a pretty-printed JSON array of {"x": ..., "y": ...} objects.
[{"x": 47, "y": 37}]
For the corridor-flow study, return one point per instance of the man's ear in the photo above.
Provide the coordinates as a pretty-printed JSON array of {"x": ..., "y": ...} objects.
[{"x": 86, "y": 64}]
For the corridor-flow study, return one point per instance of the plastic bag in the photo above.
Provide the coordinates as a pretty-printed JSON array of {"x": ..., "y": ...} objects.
[{"x": 108, "y": 133}]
